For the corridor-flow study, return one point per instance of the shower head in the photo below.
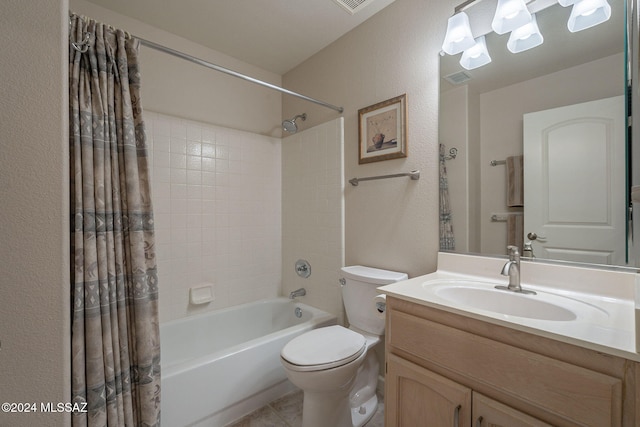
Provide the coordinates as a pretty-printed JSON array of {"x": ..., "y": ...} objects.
[{"x": 290, "y": 125}]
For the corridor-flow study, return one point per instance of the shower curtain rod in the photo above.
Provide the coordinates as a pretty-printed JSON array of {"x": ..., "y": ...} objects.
[{"x": 198, "y": 61}]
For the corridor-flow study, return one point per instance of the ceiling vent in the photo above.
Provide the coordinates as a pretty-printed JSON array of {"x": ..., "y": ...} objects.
[
  {"x": 458, "y": 78},
  {"x": 353, "y": 6}
]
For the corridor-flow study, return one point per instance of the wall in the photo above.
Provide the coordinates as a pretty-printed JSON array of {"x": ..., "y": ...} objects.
[
  {"x": 34, "y": 225},
  {"x": 313, "y": 213},
  {"x": 179, "y": 88},
  {"x": 390, "y": 224},
  {"x": 501, "y": 127},
  {"x": 217, "y": 211}
]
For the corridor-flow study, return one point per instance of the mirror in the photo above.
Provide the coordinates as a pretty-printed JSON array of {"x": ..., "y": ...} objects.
[{"x": 570, "y": 170}]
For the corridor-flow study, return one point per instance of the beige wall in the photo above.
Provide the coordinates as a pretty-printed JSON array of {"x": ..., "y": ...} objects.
[
  {"x": 179, "y": 88},
  {"x": 390, "y": 224},
  {"x": 34, "y": 224}
]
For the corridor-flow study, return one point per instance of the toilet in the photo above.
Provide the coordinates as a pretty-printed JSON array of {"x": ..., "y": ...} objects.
[{"x": 337, "y": 368}]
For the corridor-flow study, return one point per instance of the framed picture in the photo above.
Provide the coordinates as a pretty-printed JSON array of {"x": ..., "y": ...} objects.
[{"x": 382, "y": 130}]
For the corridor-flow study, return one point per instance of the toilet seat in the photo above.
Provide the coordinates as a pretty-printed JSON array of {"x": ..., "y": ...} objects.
[{"x": 323, "y": 348}]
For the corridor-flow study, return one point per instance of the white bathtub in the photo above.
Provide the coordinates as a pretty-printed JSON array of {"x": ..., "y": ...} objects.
[{"x": 221, "y": 365}]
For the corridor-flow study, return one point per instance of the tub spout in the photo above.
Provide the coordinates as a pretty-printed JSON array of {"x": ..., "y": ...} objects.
[{"x": 298, "y": 293}]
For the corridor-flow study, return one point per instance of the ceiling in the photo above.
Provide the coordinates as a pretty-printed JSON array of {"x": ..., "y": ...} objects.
[{"x": 276, "y": 35}]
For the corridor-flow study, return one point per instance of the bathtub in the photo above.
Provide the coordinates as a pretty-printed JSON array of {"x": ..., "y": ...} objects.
[{"x": 221, "y": 365}]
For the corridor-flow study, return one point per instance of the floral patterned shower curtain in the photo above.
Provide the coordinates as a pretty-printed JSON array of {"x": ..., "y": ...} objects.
[
  {"x": 447, "y": 240},
  {"x": 115, "y": 332}
]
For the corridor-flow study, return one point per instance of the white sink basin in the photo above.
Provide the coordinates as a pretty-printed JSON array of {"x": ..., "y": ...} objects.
[{"x": 485, "y": 297}]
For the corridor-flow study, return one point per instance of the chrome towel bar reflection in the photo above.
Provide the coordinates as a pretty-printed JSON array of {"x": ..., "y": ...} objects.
[
  {"x": 414, "y": 175},
  {"x": 498, "y": 162},
  {"x": 502, "y": 217}
]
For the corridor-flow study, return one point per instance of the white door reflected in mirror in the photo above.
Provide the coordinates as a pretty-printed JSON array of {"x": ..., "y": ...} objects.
[{"x": 580, "y": 149}]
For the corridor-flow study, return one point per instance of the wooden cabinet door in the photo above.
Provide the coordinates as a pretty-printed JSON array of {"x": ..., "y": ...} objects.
[
  {"x": 490, "y": 413},
  {"x": 417, "y": 397}
]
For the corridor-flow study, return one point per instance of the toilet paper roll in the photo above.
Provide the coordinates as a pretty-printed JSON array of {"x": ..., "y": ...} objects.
[{"x": 380, "y": 305}]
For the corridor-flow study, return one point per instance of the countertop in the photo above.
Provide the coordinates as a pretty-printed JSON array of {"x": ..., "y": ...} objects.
[{"x": 612, "y": 330}]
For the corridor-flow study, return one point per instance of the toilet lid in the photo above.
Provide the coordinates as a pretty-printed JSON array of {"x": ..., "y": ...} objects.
[{"x": 324, "y": 348}]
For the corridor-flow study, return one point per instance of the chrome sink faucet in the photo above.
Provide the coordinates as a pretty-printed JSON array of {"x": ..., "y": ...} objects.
[{"x": 512, "y": 269}]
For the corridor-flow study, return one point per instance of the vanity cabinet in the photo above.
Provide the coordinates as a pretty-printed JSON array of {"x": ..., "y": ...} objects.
[
  {"x": 422, "y": 395},
  {"x": 425, "y": 398},
  {"x": 445, "y": 369}
]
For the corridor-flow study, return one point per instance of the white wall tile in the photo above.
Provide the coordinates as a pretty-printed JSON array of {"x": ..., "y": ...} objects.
[
  {"x": 221, "y": 197},
  {"x": 312, "y": 213},
  {"x": 217, "y": 205}
]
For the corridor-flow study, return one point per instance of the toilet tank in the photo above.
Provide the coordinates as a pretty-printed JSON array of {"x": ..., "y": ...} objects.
[{"x": 358, "y": 293}]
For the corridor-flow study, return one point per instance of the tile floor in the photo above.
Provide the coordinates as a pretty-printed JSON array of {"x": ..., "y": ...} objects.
[{"x": 287, "y": 412}]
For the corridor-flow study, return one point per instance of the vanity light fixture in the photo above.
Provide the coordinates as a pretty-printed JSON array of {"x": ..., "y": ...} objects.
[
  {"x": 514, "y": 16},
  {"x": 510, "y": 14},
  {"x": 458, "y": 37},
  {"x": 588, "y": 13},
  {"x": 526, "y": 37},
  {"x": 476, "y": 56}
]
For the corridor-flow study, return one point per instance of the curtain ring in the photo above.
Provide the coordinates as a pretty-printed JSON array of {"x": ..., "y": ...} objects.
[{"x": 82, "y": 46}]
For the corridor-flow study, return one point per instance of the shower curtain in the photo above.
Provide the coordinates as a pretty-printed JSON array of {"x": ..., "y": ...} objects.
[
  {"x": 447, "y": 241},
  {"x": 115, "y": 347}
]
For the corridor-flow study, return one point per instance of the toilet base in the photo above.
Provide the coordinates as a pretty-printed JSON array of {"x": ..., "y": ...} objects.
[
  {"x": 326, "y": 409},
  {"x": 363, "y": 413}
]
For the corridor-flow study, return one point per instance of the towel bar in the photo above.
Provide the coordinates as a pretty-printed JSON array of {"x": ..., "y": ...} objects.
[
  {"x": 502, "y": 217},
  {"x": 414, "y": 175},
  {"x": 498, "y": 162}
]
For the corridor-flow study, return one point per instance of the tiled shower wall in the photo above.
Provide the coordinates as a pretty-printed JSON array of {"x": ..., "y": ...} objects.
[
  {"x": 217, "y": 208},
  {"x": 313, "y": 213}
]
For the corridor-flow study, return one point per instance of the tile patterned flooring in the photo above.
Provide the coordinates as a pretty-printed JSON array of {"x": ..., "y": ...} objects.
[{"x": 287, "y": 412}]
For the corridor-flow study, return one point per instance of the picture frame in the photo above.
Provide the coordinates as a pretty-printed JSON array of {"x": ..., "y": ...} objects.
[{"x": 382, "y": 130}]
